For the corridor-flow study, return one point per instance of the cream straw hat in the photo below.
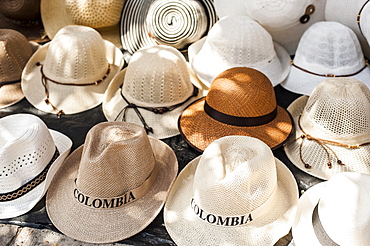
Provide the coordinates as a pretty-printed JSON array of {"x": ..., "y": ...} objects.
[
  {"x": 30, "y": 154},
  {"x": 71, "y": 73},
  {"x": 235, "y": 193}
]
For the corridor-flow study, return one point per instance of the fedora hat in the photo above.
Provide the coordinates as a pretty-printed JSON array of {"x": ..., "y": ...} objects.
[
  {"x": 326, "y": 49},
  {"x": 176, "y": 23},
  {"x": 117, "y": 182},
  {"x": 30, "y": 154},
  {"x": 332, "y": 133},
  {"x": 235, "y": 193},
  {"x": 334, "y": 212},
  {"x": 71, "y": 73},
  {"x": 238, "y": 41},
  {"x": 152, "y": 91},
  {"x": 240, "y": 101}
]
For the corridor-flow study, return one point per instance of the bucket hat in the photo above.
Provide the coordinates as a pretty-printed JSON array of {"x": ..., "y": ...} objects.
[
  {"x": 326, "y": 49},
  {"x": 30, "y": 155},
  {"x": 176, "y": 23},
  {"x": 240, "y": 101},
  {"x": 113, "y": 186},
  {"x": 153, "y": 91},
  {"x": 334, "y": 212},
  {"x": 238, "y": 41},
  {"x": 71, "y": 73},
  {"x": 235, "y": 193},
  {"x": 332, "y": 131}
]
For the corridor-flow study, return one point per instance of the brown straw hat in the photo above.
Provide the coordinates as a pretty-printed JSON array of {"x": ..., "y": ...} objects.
[
  {"x": 113, "y": 186},
  {"x": 240, "y": 101}
]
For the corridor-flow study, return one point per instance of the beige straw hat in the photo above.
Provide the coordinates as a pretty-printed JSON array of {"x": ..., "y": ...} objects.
[
  {"x": 30, "y": 154},
  {"x": 235, "y": 193},
  {"x": 332, "y": 129},
  {"x": 240, "y": 101},
  {"x": 71, "y": 73},
  {"x": 113, "y": 186}
]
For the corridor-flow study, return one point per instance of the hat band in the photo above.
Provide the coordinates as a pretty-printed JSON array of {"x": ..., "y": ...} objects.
[
  {"x": 9, "y": 82},
  {"x": 30, "y": 185},
  {"x": 236, "y": 120},
  {"x": 319, "y": 230},
  {"x": 359, "y": 17},
  {"x": 118, "y": 201}
]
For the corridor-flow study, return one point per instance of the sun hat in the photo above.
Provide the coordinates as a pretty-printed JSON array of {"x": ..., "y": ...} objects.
[
  {"x": 113, "y": 186},
  {"x": 175, "y": 23},
  {"x": 332, "y": 130},
  {"x": 71, "y": 73},
  {"x": 235, "y": 193},
  {"x": 334, "y": 212},
  {"x": 326, "y": 49},
  {"x": 238, "y": 41},
  {"x": 240, "y": 101},
  {"x": 152, "y": 91},
  {"x": 30, "y": 154},
  {"x": 102, "y": 15}
]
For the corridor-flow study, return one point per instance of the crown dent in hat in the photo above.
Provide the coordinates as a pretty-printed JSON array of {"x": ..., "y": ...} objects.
[{"x": 20, "y": 10}]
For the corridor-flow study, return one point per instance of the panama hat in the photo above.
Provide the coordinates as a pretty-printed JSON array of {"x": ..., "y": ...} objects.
[
  {"x": 175, "y": 23},
  {"x": 71, "y": 73},
  {"x": 152, "y": 91},
  {"x": 240, "y": 101},
  {"x": 326, "y": 49},
  {"x": 238, "y": 41},
  {"x": 113, "y": 186},
  {"x": 235, "y": 193},
  {"x": 332, "y": 133},
  {"x": 30, "y": 155}
]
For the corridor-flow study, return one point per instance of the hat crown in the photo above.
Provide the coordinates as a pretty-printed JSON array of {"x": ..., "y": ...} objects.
[
  {"x": 117, "y": 157},
  {"x": 365, "y": 22},
  {"x": 26, "y": 148},
  {"x": 22, "y": 10}
]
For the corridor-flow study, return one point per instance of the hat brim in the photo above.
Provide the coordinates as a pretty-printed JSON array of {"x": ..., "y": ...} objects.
[
  {"x": 186, "y": 229},
  {"x": 26, "y": 202},
  {"x": 108, "y": 225}
]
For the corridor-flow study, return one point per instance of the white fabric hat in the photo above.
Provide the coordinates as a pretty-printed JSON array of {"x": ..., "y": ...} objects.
[
  {"x": 30, "y": 154},
  {"x": 334, "y": 212},
  {"x": 238, "y": 41},
  {"x": 335, "y": 116},
  {"x": 235, "y": 193},
  {"x": 76, "y": 68},
  {"x": 326, "y": 49}
]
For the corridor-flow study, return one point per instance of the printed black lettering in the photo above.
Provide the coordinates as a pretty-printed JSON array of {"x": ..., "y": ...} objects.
[
  {"x": 224, "y": 222},
  {"x": 234, "y": 221},
  {"x": 119, "y": 201},
  {"x": 107, "y": 204},
  {"x": 97, "y": 203},
  {"x": 209, "y": 220}
]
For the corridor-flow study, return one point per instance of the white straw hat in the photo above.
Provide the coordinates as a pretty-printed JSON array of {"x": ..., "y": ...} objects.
[
  {"x": 238, "y": 41},
  {"x": 326, "y": 49},
  {"x": 235, "y": 193},
  {"x": 152, "y": 91},
  {"x": 30, "y": 154},
  {"x": 71, "y": 73},
  {"x": 332, "y": 128},
  {"x": 334, "y": 212}
]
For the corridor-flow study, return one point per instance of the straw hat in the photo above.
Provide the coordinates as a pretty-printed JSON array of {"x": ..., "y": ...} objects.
[
  {"x": 326, "y": 49},
  {"x": 153, "y": 91},
  {"x": 333, "y": 129},
  {"x": 102, "y": 15},
  {"x": 235, "y": 193},
  {"x": 113, "y": 186},
  {"x": 334, "y": 212},
  {"x": 71, "y": 73},
  {"x": 238, "y": 41},
  {"x": 30, "y": 154},
  {"x": 240, "y": 101}
]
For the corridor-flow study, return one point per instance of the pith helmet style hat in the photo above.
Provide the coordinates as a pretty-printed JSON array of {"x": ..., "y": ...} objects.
[
  {"x": 176, "y": 23},
  {"x": 240, "y": 101},
  {"x": 30, "y": 154},
  {"x": 334, "y": 212},
  {"x": 326, "y": 49},
  {"x": 332, "y": 133},
  {"x": 238, "y": 41},
  {"x": 235, "y": 193},
  {"x": 113, "y": 186},
  {"x": 71, "y": 73},
  {"x": 153, "y": 91}
]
